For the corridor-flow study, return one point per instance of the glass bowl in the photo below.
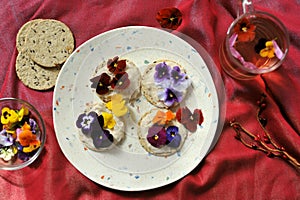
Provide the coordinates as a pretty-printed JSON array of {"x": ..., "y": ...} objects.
[{"x": 22, "y": 134}]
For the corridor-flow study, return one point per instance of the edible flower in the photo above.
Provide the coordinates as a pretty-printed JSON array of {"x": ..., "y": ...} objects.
[
  {"x": 120, "y": 81},
  {"x": 101, "y": 83},
  {"x": 6, "y": 139},
  {"x": 108, "y": 120},
  {"x": 163, "y": 118},
  {"x": 188, "y": 119},
  {"x": 172, "y": 81},
  {"x": 170, "y": 96},
  {"x": 162, "y": 72},
  {"x": 245, "y": 30},
  {"x": 173, "y": 136},
  {"x": 85, "y": 122},
  {"x": 35, "y": 144},
  {"x": 26, "y": 137},
  {"x": 116, "y": 66},
  {"x": 102, "y": 138},
  {"x": 8, "y": 153},
  {"x": 117, "y": 105},
  {"x": 268, "y": 49},
  {"x": 9, "y": 116},
  {"x": 170, "y": 18},
  {"x": 157, "y": 136}
]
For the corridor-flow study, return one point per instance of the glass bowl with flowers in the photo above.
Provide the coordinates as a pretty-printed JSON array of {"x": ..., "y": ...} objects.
[{"x": 22, "y": 134}]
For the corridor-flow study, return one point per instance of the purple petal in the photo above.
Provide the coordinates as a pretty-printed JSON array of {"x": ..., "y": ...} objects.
[
  {"x": 170, "y": 96},
  {"x": 173, "y": 137},
  {"x": 232, "y": 39},
  {"x": 102, "y": 138},
  {"x": 157, "y": 136},
  {"x": 6, "y": 139},
  {"x": 162, "y": 72},
  {"x": 278, "y": 52}
]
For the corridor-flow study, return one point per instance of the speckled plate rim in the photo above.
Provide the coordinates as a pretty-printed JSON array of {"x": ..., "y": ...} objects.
[{"x": 66, "y": 130}]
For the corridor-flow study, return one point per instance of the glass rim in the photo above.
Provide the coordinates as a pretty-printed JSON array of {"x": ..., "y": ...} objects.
[
  {"x": 43, "y": 135},
  {"x": 277, "y": 22}
]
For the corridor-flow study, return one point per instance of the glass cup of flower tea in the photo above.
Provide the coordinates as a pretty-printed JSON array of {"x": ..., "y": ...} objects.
[{"x": 256, "y": 43}]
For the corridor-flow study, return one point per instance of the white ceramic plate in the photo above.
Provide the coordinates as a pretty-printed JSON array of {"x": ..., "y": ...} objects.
[{"x": 129, "y": 167}]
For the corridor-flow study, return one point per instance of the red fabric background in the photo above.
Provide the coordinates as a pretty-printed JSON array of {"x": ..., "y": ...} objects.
[{"x": 230, "y": 171}]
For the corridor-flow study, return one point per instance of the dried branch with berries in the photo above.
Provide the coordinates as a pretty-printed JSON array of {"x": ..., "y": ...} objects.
[{"x": 263, "y": 142}]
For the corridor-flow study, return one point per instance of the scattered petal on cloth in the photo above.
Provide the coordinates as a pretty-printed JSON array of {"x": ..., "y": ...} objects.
[{"x": 170, "y": 18}]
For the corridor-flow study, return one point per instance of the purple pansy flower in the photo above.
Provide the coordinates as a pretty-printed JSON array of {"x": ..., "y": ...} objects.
[
  {"x": 177, "y": 77},
  {"x": 157, "y": 136},
  {"x": 162, "y": 72},
  {"x": 85, "y": 121},
  {"x": 173, "y": 136},
  {"x": 33, "y": 125},
  {"x": 170, "y": 96},
  {"x": 6, "y": 139},
  {"x": 101, "y": 138}
]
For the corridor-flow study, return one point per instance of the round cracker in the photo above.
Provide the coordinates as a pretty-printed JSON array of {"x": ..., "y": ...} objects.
[
  {"x": 33, "y": 75},
  {"x": 146, "y": 122},
  {"x": 49, "y": 42},
  {"x": 22, "y": 34},
  {"x": 118, "y": 131},
  {"x": 150, "y": 90},
  {"x": 134, "y": 75}
]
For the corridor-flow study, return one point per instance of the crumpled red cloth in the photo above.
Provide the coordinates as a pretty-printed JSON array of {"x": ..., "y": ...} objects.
[{"x": 230, "y": 171}]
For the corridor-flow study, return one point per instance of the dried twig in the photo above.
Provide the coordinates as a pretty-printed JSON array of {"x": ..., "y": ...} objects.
[{"x": 263, "y": 143}]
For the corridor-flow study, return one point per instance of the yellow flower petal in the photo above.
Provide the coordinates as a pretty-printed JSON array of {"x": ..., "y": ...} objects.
[
  {"x": 109, "y": 121},
  {"x": 269, "y": 44},
  {"x": 23, "y": 112},
  {"x": 109, "y": 105},
  {"x": 264, "y": 52},
  {"x": 117, "y": 105},
  {"x": 33, "y": 146},
  {"x": 13, "y": 116},
  {"x": 120, "y": 112}
]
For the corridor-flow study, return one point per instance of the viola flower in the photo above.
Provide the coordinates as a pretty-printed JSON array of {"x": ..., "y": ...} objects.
[
  {"x": 162, "y": 72},
  {"x": 268, "y": 51},
  {"x": 117, "y": 105},
  {"x": 180, "y": 80},
  {"x": 170, "y": 96},
  {"x": 35, "y": 144},
  {"x": 8, "y": 153},
  {"x": 101, "y": 83},
  {"x": 9, "y": 116},
  {"x": 245, "y": 30},
  {"x": 102, "y": 138},
  {"x": 108, "y": 120},
  {"x": 116, "y": 66},
  {"x": 22, "y": 112},
  {"x": 170, "y": 18},
  {"x": 157, "y": 136},
  {"x": 27, "y": 139},
  {"x": 6, "y": 139},
  {"x": 173, "y": 136},
  {"x": 188, "y": 119},
  {"x": 33, "y": 125},
  {"x": 177, "y": 76},
  {"x": 120, "y": 81},
  {"x": 163, "y": 118},
  {"x": 85, "y": 121}
]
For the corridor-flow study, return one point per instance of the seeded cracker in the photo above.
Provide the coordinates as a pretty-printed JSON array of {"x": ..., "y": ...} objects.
[
  {"x": 22, "y": 34},
  {"x": 33, "y": 75},
  {"x": 49, "y": 42}
]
